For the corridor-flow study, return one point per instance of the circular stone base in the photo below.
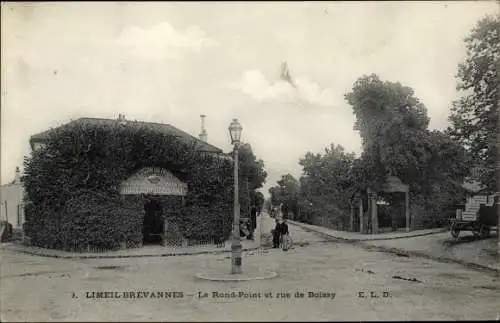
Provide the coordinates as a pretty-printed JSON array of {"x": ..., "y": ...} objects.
[{"x": 244, "y": 276}]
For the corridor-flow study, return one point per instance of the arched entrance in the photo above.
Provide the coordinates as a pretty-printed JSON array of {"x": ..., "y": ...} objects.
[{"x": 162, "y": 192}]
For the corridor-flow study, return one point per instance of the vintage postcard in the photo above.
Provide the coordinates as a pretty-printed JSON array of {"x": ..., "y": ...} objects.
[{"x": 250, "y": 161}]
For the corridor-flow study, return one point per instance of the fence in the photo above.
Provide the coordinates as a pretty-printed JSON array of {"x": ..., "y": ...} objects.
[
  {"x": 183, "y": 243},
  {"x": 330, "y": 223},
  {"x": 171, "y": 238},
  {"x": 209, "y": 240}
]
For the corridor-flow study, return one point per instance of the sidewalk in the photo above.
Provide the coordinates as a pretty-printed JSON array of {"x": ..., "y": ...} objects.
[
  {"x": 432, "y": 244},
  {"x": 356, "y": 236},
  {"x": 146, "y": 251},
  {"x": 479, "y": 253}
]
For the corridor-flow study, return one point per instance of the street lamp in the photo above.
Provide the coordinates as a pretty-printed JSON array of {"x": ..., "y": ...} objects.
[{"x": 235, "y": 129}]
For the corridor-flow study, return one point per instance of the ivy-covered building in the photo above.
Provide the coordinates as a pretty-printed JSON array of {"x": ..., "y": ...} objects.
[{"x": 110, "y": 184}]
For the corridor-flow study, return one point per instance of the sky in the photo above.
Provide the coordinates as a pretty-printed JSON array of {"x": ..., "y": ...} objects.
[{"x": 170, "y": 62}]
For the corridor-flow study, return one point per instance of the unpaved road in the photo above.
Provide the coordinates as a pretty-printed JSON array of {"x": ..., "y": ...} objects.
[{"x": 41, "y": 289}]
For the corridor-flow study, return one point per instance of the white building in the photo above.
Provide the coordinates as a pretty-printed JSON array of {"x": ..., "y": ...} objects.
[{"x": 11, "y": 206}]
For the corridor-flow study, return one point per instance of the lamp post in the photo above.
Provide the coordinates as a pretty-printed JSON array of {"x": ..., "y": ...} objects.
[{"x": 235, "y": 133}]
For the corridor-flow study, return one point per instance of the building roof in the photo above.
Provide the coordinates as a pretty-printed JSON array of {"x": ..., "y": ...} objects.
[
  {"x": 161, "y": 127},
  {"x": 394, "y": 184}
]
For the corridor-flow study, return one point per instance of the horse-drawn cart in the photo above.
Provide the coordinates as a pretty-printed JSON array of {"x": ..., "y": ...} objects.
[{"x": 478, "y": 216}]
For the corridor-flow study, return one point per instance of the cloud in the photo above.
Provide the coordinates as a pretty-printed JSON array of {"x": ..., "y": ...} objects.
[
  {"x": 163, "y": 41},
  {"x": 256, "y": 85}
]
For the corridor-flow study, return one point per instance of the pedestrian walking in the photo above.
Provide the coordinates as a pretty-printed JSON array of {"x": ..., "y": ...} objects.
[
  {"x": 244, "y": 232},
  {"x": 253, "y": 220},
  {"x": 250, "y": 230},
  {"x": 284, "y": 235},
  {"x": 276, "y": 234}
]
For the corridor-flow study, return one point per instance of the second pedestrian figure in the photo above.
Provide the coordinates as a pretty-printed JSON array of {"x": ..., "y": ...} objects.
[{"x": 276, "y": 234}]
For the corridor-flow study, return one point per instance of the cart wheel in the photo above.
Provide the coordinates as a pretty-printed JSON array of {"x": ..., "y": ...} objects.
[
  {"x": 484, "y": 231},
  {"x": 454, "y": 231}
]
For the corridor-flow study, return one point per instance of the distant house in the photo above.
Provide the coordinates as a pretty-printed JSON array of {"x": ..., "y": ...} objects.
[{"x": 11, "y": 207}]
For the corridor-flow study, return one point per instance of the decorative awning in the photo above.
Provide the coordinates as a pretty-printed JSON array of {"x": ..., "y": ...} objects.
[{"x": 155, "y": 181}]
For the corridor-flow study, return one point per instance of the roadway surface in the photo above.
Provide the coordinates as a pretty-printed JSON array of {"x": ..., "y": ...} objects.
[{"x": 48, "y": 289}]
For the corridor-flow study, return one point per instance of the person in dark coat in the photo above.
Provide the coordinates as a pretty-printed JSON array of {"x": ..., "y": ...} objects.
[
  {"x": 253, "y": 217},
  {"x": 250, "y": 230},
  {"x": 283, "y": 231},
  {"x": 252, "y": 223},
  {"x": 284, "y": 228},
  {"x": 276, "y": 234}
]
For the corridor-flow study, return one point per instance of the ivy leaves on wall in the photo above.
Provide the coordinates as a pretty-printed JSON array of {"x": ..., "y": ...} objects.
[{"x": 72, "y": 185}]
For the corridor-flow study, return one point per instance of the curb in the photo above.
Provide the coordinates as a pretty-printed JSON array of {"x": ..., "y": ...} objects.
[
  {"x": 169, "y": 254},
  {"x": 419, "y": 254},
  {"x": 406, "y": 253},
  {"x": 236, "y": 277},
  {"x": 369, "y": 239}
]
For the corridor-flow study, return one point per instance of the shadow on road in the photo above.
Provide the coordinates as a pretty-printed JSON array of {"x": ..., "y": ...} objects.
[{"x": 465, "y": 239}]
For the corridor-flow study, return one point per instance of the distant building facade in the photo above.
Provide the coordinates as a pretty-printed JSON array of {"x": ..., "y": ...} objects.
[{"x": 12, "y": 209}]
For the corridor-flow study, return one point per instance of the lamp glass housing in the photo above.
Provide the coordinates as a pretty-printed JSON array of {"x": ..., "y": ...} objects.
[{"x": 235, "y": 129}]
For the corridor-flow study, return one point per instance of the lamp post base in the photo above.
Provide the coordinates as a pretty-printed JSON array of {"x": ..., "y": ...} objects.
[
  {"x": 235, "y": 269},
  {"x": 255, "y": 274},
  {"x": 236, "y": 257}
]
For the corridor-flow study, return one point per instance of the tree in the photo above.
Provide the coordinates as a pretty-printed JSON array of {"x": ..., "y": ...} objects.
[
  {"x": 325, "y": 186},
  {"x": 389, "y": 118},
  {"x": 396, "y": 142},
  {"x": 251, "y": 168},
  {"x": 289, "y": 185},
  {"x": 275, "y": 195},
  {"x": 382, "y": 108},
  {"x": 259, "y": 201},
  {"x": 327, "y": 174},
  {"x": 474, "y": 117},
  {"x": 286, "y": 191},
  {"x": 252, "y": 176}
]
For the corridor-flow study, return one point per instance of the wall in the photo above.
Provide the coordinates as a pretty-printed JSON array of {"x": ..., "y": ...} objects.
[{"x": 11, "y": 206}]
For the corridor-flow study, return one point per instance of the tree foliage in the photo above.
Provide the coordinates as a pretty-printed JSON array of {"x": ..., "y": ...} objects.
[
  {"x": 286, "y": 190},
  {"x": 326, "y": 184},
  {"x": 250, "y": 167},
  {"x": 393, "y": 123},
  {"x": 396, "y": 142},
  {"x": 474, "y": 117},
  {"x": 259, "y": 201},
  {"x": 327, "y": 175},
  {"x": 252, "y": 176}
]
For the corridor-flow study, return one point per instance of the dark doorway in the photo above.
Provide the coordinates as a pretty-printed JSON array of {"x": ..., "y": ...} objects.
[
  {"x": 152, "y": 229},
  {"x": 356, "y": 227},
  {"x": 391, "y": 215}
]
